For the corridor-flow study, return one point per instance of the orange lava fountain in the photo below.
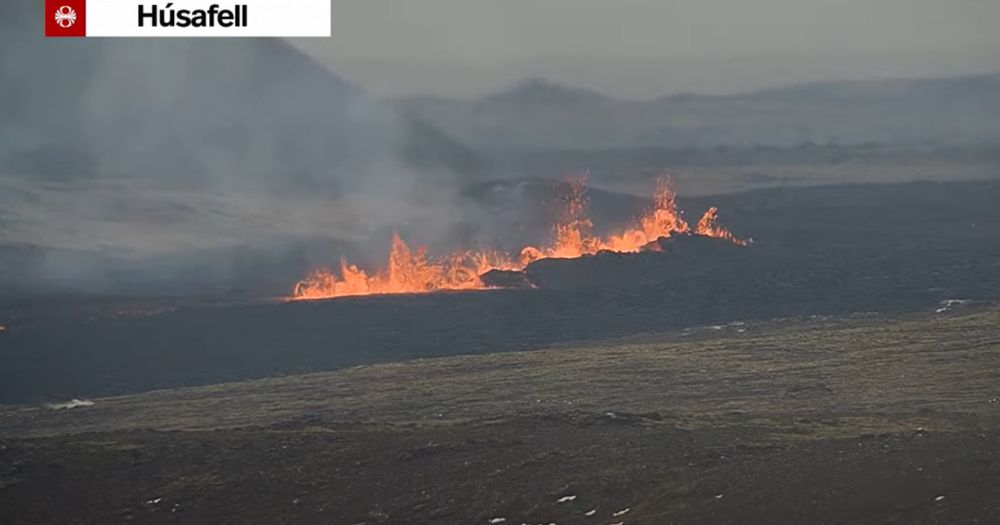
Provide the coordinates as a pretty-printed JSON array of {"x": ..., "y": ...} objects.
[
  {"x": 410, "y": 271},
  {"x": 572, "y": 238}
]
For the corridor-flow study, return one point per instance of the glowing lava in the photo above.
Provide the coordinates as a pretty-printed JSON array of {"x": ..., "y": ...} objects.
[
  {"x": 410, "y": 271},
  {"x": 572, "y": 236}
]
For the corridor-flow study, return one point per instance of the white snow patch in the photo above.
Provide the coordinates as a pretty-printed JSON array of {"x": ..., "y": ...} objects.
[
  {"x": 72, "y": 403},
  {"x": 621, "y": 512},
  {"x": 947, "y": 304},
  {"x": 564, "y": 499},
  {"x": 590, "y": 512}
]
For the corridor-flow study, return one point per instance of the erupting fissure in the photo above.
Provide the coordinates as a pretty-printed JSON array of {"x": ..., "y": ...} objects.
[{"x": 411, "y": 271}]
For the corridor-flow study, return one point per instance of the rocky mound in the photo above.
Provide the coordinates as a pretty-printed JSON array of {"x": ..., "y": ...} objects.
[{"x": 667, "y": 258}]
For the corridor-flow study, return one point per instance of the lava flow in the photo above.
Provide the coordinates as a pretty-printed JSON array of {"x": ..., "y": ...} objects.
[
  {"x": 408, "y": 271},
  {"x": 411, "y": 271}
]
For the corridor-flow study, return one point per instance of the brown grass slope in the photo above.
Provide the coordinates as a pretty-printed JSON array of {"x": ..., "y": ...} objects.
[{"x": 865, "y": 418}]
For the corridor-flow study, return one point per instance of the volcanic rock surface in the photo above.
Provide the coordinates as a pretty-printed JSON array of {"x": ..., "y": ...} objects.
[
  {"x": 681, "y": 256},
  {"x": 816, "y": 252}
]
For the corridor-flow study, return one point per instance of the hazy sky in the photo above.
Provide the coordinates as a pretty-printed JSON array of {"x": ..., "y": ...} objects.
[{"x": 644, "y": 48}]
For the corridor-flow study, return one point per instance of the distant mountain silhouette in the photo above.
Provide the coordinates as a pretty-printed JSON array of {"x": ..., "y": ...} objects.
[
  {"x": 541, "y": 91},
  {"x": 539, "y": 115}
]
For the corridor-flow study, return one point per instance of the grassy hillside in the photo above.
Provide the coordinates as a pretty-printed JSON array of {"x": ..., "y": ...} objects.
[{"x": 866, "y": 418}]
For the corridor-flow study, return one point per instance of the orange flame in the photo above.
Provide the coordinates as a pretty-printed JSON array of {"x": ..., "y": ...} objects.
[
  {"x": 709, "y": 227},
  {"x": 572, "y": 237},
  {"x": 410, "y": 271}
]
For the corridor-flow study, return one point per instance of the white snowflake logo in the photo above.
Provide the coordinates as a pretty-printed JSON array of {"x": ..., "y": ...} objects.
[{"x": 65, "y": 17}]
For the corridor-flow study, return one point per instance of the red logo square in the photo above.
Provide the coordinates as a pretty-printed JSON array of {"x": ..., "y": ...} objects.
[{"x": 65, "y": 17}]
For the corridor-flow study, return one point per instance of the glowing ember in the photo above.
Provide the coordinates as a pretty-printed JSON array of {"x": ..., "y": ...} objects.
[{"x": 410, "y": 271}]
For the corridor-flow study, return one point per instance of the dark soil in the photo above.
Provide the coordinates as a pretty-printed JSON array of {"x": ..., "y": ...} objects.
[{"x": 517, "y": 469}]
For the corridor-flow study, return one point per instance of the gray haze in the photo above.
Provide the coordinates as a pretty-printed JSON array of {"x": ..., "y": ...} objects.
[
  {"x": 193, "y": 161},
  {"x": 647, "y": 48},
  {"x": 538, "y": 115}
]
